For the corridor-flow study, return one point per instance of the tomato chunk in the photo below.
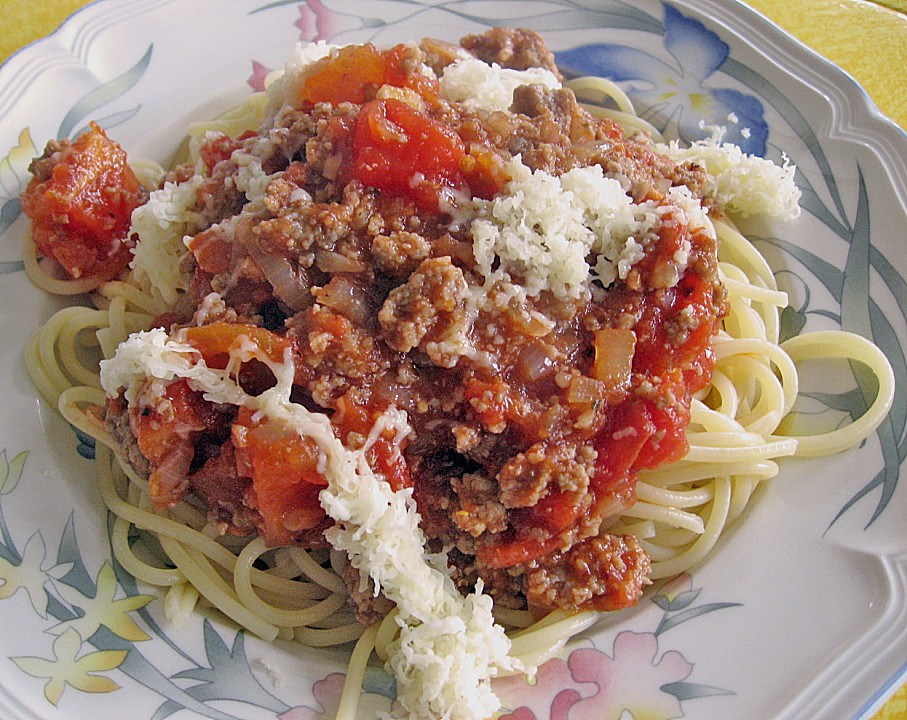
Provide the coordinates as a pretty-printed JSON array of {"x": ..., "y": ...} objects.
[
  {"x": 513, "y": 551},
  {"x": 356, "y": 73},
  {"x": 181, "y": 412},
  {"x": 402, "y": 72},
  {"x": 82, "y": 209},
  {"x": 220, "y": 147},
  {"x": 535, "y": 531},
  {"x": 166, "y": 433},
  {"x": 385, "y": 456},
  {"x": 218, "y": 340},
  {"x": 353, "y": 75},
  {"x": 286, "y": 480},
  {"x": 557, "y": 511},
  {"x": 401, "y": 150},
  {"x": 212, "y": 251}
]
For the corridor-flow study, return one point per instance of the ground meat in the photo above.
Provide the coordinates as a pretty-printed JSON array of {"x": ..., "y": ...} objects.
[
  {"x": 434, "y": 495},
  {"x": 215, "y": 201},
  {"x": 516, "y": 48},
  {"x": 559, "y": 107},
  {"x": 540, "y": 140},
  {"x": 223, "y": 492},
  {"x": 336, "y": 352},
  {"x": 426, "y": 307},
  {"x": 506, "y": 587},
  {"x": 488, "y": 449},
  {"x": 604, "y": 572},
  {"x": 213, "y": 309},
  {"x": 297, "y": 230},
  {"x": 306, "y": 135},
  {"x": 527, "y": 476},
  {"x": 42, "y": 166},
  {"x": 369, "y": 607},
  {"x": 480, "y": 506},
  {"x": 400, "y": 253},
  {"x": 647, "y": 173},
  {"x": 696, "y": 179},
  {"x": 116, "y": 418}
]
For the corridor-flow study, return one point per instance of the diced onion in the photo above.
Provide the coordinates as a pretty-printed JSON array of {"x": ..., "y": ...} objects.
[
  {"x": 536, "y": 361},
  {"x": 614, "y": 348},
  {"x": 333, "y": 262},
  {"x": 289, "y": 286},
  {"x": 346, "y": 297},
  {"x": 585, "y": 390}
]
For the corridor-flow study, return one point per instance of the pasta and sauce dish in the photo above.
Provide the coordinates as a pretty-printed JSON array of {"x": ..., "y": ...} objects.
[{"x": 419, "y": 350}]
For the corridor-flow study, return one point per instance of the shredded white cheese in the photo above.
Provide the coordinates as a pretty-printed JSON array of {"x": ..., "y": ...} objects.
[
  {"x": 544, "y": 229},
  {"x": 153, "y": 355},
  {"x": 449, "y": 646},
  {"x": 745, "y": 185},
  {"x": 479, "y": 85},
  {"x": 250, "y": 178},
  {"x": 161, "y": 225}
]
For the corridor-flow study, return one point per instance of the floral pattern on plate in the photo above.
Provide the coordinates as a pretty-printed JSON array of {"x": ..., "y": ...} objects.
[{"x": 91, "y": 632}]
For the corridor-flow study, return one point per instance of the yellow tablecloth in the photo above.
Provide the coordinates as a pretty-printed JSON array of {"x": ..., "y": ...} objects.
[{"x": 867, "y": 39}]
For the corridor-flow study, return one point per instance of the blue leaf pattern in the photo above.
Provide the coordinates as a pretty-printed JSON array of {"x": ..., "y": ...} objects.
[
  {"x": 699, "y": 52},
  {"x": 684, "y": 691},
  {"x": 679, "y": 89},
  {"x": 103, "y": 95}
]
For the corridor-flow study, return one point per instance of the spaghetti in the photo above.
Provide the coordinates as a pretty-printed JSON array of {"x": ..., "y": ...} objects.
[{"x": 677, "y": 512}]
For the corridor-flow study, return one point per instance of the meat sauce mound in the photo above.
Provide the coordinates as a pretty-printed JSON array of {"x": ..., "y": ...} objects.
[{"x": 531, "y": 416}]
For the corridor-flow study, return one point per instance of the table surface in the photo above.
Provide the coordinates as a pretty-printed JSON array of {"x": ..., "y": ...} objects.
[{"x": 840, "y": 30}]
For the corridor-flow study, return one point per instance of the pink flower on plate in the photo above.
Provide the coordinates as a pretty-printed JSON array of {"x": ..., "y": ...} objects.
[
  {"x": 316, "y": 22},
  {"x": 257, "y": 79},
  {"x": 327, "y": 694},
  {"x": 554, "y": 688},
  {"x": 631, "y": 680},
  {"x": 591, "y": 685}
]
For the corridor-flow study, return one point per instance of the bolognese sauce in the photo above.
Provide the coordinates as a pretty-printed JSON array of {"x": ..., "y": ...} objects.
[
  {"x": 80, "y": 200},
  {"x": 533, "y": 402}
]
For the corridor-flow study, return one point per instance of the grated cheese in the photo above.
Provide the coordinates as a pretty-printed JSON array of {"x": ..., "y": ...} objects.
[
  {"x": 250, "y": 179},
  {"x": 543, "y": 229},
  {"x": 745, "y": 185},
  {"x": 153, "y": 355},
  {"x": 449, "y": 646},
  {"x": 479, "y": 85},
  {"x": 161, "y": 224}
]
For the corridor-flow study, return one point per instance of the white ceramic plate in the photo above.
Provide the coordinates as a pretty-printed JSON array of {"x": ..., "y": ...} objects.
[{"x": 801, "y": 613}]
